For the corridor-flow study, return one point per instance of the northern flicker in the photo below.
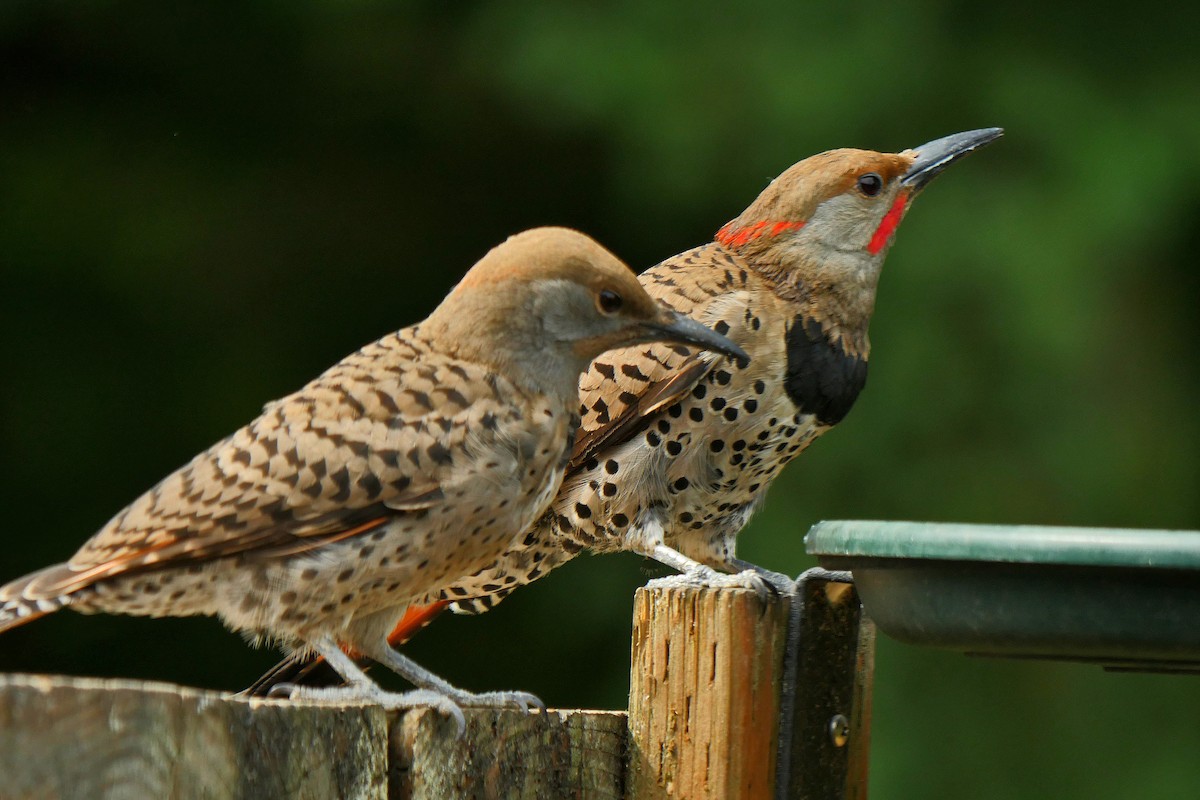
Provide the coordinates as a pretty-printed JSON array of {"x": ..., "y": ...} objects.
[
  {"x": 408, "y": 464},
  {"x": 677, "y": 448}
]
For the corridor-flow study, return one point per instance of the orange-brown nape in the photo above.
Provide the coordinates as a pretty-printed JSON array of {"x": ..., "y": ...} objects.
[{"x": 553, "y": 253}]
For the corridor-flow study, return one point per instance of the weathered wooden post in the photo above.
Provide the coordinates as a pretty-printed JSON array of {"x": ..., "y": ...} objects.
[
  {"x": 89, "y": 738},
  {"x": 733, "y": 697},
  {"x": 68, "y": 738},
  {"x": 509, "y": 755}
]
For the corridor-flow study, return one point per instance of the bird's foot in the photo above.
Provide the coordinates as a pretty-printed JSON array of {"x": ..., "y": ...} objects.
[
  {"x": 375, "y": 695},
  {"x": 522, "y": 700},
  {"x": 767, "y": 585},
  {"x": 419, "y": 676}
]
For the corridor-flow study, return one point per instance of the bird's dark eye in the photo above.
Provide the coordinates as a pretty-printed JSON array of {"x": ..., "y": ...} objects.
[
  {"x": 609, "y": 301},
  {"x": 870, "y": 184}
]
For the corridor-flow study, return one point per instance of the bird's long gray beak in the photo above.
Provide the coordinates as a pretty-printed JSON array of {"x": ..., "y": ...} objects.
[
  {"x": 685, "y": 330},
  {"x": 935, "y": 156}
]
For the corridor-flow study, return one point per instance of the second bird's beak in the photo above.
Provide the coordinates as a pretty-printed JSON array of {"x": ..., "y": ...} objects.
[
  {"x": 935, "y": 156},
  {"x": 681, "y": 328}
]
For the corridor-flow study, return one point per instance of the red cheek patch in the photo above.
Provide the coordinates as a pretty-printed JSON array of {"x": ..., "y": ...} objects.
[{"x": 887, "y": 225}]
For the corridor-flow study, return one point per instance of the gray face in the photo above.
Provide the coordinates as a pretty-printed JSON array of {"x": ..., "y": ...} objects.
[
  {"x": 834, "y": 245},
  {"x": 847, "y": 222},
  {"x": 559, "y": 315},
  {"x": 569, "y": 313}
]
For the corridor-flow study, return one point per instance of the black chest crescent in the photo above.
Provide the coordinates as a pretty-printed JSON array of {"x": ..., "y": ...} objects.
[{"x": 822, "y": 378}]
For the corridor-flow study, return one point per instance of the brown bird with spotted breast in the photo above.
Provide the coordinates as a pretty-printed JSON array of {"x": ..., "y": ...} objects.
[
  {"x": 408, "y": 464},
  {"x": 677, "y": 448}
]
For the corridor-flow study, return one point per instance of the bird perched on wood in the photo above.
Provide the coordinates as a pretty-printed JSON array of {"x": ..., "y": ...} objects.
[
  {"x": 408, "y": 464},
  {"x": 677, "y": 448}
]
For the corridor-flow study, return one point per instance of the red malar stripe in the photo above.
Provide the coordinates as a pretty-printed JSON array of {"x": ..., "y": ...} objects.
[{"x": 887, "y": 226}]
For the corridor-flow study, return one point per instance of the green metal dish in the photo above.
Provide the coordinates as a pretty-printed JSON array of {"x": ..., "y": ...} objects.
[{"x": 1127, "y": 599}]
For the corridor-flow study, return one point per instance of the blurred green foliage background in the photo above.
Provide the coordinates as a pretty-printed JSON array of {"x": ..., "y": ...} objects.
[{"x": 203, "y": 204}]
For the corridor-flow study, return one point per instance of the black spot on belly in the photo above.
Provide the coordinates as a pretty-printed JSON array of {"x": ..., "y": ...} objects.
[
  {"x": 439, "y": 454},
  {"x": 822, "y": 378}
]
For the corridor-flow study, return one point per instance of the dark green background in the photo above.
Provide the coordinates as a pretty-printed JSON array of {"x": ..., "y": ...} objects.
[{"x": 202, "y": 205}]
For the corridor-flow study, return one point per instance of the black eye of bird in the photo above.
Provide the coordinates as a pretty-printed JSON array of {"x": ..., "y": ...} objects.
[
  {"x": 609, "y": 301},
  {"x": 870, "y": 184}
]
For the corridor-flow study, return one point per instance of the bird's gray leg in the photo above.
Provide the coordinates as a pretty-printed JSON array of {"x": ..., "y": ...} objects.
[
  {"x": 693, "y": 573},
  {"x": 361, "y": 689},
  {"x": 417, "y": 675},
  {"x": 648, "y": 540}
]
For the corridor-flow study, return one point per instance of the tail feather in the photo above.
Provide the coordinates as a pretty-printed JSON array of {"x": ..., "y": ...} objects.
[{"x": 19, "y": 605}]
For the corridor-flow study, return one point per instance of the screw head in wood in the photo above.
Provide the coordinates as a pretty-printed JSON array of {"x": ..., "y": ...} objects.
[{"x": 839, "y": 730}]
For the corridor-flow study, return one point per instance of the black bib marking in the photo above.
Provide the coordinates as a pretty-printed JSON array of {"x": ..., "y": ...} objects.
[{"x": 822, "y": 379}]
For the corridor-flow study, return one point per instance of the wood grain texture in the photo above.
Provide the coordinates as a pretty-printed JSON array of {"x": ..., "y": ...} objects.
[
  {"x": 704, "y": 694},
  {"x": 509, "y": 754},
  {"x": 66, "y": 738}
]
